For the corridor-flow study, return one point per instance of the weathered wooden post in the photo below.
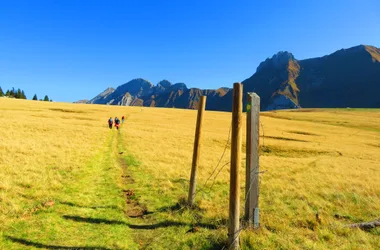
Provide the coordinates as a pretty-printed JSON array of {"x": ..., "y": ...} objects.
[
  {"x": 252, "y": 161},
  {"x": 234, "y": 209},
  {"x": 196, "y": 151}
]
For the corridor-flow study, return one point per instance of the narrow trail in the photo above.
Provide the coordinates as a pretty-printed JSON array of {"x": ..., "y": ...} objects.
[
  {"x": 151, "y": 229},
  {"x": 133, "y": 208},
  {"x": 134, "y": 212}
]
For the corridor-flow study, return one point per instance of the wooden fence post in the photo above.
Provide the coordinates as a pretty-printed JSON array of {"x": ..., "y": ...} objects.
[
  {"x": 234, "y": 209},
  {"x": 196, "y": 151},
  {"x": 252, "y": 160}
]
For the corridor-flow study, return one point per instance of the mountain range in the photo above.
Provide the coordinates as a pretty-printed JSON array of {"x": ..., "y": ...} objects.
[{"x": 345, "y": 78}]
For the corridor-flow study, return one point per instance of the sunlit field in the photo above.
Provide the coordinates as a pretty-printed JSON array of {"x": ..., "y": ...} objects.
[{"x": 69, "y": 182}]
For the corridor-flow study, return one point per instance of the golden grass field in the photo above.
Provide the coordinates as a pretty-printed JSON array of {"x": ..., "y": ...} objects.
[{"x": 63, "y": 178}]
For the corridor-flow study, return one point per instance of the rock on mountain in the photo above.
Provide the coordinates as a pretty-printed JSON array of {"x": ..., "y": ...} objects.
[{"x": 346, "y": 78}]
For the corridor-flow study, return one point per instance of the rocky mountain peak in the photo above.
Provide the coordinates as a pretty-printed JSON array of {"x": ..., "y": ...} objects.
[
  {"x": 164, "y": 83},
  {"x": 277, "y": 61},
  {"x": 141, "y": 82},
  {"x": 179, "y": 85},
  {"x": 136, "y": 87}
]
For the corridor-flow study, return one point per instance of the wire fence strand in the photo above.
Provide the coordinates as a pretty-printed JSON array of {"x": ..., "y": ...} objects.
[{"x": 208, "y": 190}]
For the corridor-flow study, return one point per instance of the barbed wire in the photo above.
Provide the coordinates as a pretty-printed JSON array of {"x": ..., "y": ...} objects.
[
  {"x": 208, "y": 191},
  {"x": 221, "y": 157}
]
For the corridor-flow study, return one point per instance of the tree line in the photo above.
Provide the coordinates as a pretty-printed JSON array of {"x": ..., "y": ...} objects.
[{"x": 20, "y": 94}]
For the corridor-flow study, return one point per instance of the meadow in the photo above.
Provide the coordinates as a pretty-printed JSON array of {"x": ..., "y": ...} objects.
[{"x": 69, "y": 182}]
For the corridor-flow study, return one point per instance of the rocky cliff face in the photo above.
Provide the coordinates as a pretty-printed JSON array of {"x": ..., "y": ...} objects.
[
  {"x": 274, "y": 82},
  {"x": 346, "y": 78}
]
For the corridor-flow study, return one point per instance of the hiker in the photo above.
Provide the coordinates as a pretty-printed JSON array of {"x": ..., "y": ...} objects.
[
  {"x": 110, "y": 123},
  {"x": 122, "y": 119},
  {"x": 117, "y": 123}
]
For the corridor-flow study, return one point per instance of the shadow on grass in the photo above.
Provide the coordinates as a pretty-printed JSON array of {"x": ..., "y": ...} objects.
[
  {"x": 93, "y": 220},
  {"x": 162, "y": 224},
  {"x": 140, "y": 215},
  {"x": 216, "y": 246},
  {"x": 181, "y": 206},
  {"x": 173, "y": 208},
  {"x": 40, "y": 245},
  {"x": 71, "y": 204},
  {"x": 283, "y": 138}
]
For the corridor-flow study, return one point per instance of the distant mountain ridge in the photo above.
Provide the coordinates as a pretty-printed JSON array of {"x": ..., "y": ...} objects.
[
  {"x": 140, "y": 92},
  {"x": 345, "y": 78}
]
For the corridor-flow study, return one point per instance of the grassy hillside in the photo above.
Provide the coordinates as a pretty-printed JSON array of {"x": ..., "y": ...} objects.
[{"x": 67, "y": 181}]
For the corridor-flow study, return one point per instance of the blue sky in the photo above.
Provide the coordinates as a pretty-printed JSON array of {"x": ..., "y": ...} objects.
[{"x": 73, "y": 50}]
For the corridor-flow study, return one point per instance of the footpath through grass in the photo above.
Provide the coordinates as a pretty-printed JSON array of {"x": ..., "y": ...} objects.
[{"x": 87, "y": 213}]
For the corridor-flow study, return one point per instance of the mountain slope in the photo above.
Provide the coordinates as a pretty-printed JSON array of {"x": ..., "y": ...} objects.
[
  {"x": 346, "y": 78},
  {"x": 102, "y": 97}
]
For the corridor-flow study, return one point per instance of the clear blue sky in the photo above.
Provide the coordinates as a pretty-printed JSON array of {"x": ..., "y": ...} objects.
[{"x": 75, "y": 49}]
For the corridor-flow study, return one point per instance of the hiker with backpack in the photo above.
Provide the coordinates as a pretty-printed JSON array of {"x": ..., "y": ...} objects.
[
  {"x": 117, "y": 123},
  {"x": 110, "y": 123}
]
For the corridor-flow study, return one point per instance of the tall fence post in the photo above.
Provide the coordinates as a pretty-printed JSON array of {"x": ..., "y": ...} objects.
[
  {"x": 236, "y": 141},
  {"x": 252, "y": 160},
  {"x": 194, "y": 166}
]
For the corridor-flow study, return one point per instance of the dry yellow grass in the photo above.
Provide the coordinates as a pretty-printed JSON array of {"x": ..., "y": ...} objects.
[
  {"x": 322, "y": 161},
  {"x": 49, "y": 154}
]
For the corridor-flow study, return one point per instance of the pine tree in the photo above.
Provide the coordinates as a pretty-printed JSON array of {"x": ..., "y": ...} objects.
[
  {"x": 1, "y": 92},
  {"x": 23, "y": 96},
  {"x": 46, "y": 99},
  {"x": 12, "y": 93},
  {"x": 18, "y": 94},
  {"x": 35, "y": 98},
  {"x": 8, "y": 93}
]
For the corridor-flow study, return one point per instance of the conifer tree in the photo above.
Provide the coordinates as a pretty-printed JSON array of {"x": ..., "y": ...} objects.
[
  {"x": 35, "y": 97},
  {"x": 18, "y": 94},
  {"x": 12, "y": 92},
  {"x": 46, "y": 99},
  {"x": 23, "y": 96},
  {"x": 1, "y": 92}
]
